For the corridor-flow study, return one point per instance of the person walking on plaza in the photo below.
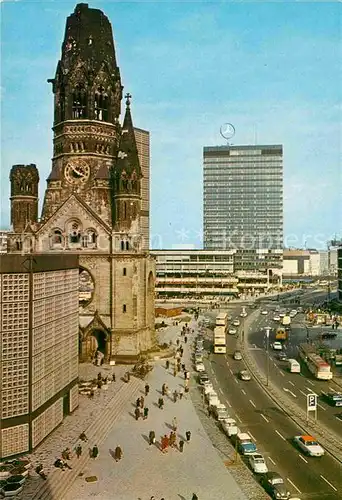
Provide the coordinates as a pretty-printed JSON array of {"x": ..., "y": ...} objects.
[
  {"x": 174, "y": 371},
  {"x": 185, "y": 339},
  {"x": 83, "y": 436},
  {"x": 181, "y": 445},
  {"x": 174, "y": 424},
  {"x": 163, "y": 389},
  {"x": 194, "y": 496},
  {"x": 118, "y": 453},
  {"x": 145, "y": 413},
  {"x": 175, "y": 396},
  {"x": 181, "y": 392},
  {"x": 152, "y": 437},
  {"x": 188, "y": 435},
  {"x": 167, "y": 364},
  {"x": 113, "y": 377},
  {"x": 137, "y": 403},
  {"x": 137, "y": 413},
  {"x": 142, "y": 401},
  {"x": 147, "y": 389},
  {"x": 161, "y": 403},
  {"x": 78, "y": 450},
  {"x": 164, "y": 443},
  {"x": 172, "y": 439},
  {"x": 95, "y": 451}
]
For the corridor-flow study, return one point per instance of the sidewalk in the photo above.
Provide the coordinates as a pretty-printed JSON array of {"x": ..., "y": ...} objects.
[{"x": 144, "y": 470}]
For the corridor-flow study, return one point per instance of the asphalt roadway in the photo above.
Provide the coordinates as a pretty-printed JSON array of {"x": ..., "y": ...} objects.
[
  {"x": 306, "y": 477},
  {"x": 297, "y": 386}
]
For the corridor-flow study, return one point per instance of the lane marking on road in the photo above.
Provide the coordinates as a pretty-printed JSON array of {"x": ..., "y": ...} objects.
[
  {"x": 215, "y": 378},
  {"x": 252, "y": 403},
  {"x": 228, "y": 403},
  {"x": 280, "y": 435},
  {"x": 271, "y": 460},
  {"x": 331, "y": 389},
  {"x": 231, "y": 371},
  {"x": 288, "y": 390},
  {"x": 311, "y": 391},
  {"x": 289, "y": 480},
  {"x": 281, "y": 372},
  {"x": 221, "y": 391},
  {"x": 236, "y": 380},
  {"x": 304, "y": 459},
  {"x": 263, "y": 416},
  {"x": 321, "y": 407},
  {"x": 338, "y": 418},
  {"x": 243, "y": 392},
  {"x": 311, "y": 383},
  {"x": 291, "y": 383},
  {"x": 252, "y": 436},
  {"x": 304, "y": 393},
  {"x": 324, "y": 479},
  {"x": 227, "y": 363},
  {"x": 239, "y": 419}
]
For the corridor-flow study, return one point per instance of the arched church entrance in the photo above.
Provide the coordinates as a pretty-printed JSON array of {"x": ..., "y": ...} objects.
[{"x": 101, "y": 340}]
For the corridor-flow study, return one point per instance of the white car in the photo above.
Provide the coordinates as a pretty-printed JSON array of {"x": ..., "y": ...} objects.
[
  {"x": 277, "y": 346},
  {"x": 258, "y": 464},
  {"x": 236, "y": 322},
  {"x": 309, "y": 445},
  {"x": 229, "y": 427},
  {"x": 243, "y": 315},
  {"x": 244, "y": 375},
  {"x": 232, "y": 331},
  {"x": 237, "y": 356},
  {"x": 200, "y": 367},
  {"x": 293, "y": 313},
  {"x": 264, "y": 312},
  {"x": 276, "y": 318}
]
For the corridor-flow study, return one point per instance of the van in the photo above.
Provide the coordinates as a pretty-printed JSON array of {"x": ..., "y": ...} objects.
[{"x": 293, "y": 366}]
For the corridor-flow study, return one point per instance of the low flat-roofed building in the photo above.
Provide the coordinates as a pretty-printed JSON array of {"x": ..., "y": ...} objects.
[{"x": 39, "y": 336}]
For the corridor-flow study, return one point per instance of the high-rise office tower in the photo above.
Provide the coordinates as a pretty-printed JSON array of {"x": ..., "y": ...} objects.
[
  {"x": 243, "y": 200},
  {"x": 142, "y": 138}
]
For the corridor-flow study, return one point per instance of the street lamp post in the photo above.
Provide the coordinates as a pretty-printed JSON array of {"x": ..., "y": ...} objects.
[{"x": 267, "y": 354}]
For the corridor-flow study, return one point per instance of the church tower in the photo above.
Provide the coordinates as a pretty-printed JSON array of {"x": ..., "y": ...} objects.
[
  {"x": 24, "y": 196},
  {"x": 87, "y": 99}
]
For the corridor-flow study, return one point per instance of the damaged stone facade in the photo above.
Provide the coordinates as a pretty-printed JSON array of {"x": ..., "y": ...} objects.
[{"x": 92, "y": 202}]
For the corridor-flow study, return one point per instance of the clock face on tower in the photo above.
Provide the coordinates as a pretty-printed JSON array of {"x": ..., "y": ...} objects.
[{"x": 77, "y": 171}]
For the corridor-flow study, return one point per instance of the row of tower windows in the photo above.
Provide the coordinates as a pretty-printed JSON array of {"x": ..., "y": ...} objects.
[{"x": 80, "y": 104}]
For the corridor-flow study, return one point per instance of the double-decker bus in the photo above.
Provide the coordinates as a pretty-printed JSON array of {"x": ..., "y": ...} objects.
[
  {"x": 316, "y": 365},
  {"x": 220, "y": 332}
]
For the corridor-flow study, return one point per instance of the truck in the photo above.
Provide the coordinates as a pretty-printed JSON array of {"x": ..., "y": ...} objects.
[
  {"x": 219, "y": 340},
  {"x": 281, "y": 333},
  {"x": 229, "y": 427}
]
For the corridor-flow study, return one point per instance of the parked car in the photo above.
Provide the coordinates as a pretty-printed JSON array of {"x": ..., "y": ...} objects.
[
  {"x": 244, "y": 375},
  {"x": 245, "y": 444},
  {"x": 236, "y": 322},
  {"x": 232, "y": 331},
  {"x": 203, "y": 378},
  {"x": 333, "y": 398},
  {"x": 258, "y": 464},
  {"x": 276, "y": 318},
  {"x": 11, "y": 489},
  {"x": 199, "y": 367},
  {"x": 277, "y": 346},
  {"x": 309, "y": 445},
  {"x": 237, "y": 356},
  {"x": 220, "y": 411},
  {"x": 229, "y": 427},
  {"x": 264, "y": 312},
  {"x": 274, "y": 484}
]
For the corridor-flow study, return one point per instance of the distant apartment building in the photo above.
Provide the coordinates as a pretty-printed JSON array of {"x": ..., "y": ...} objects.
[
  {"x": 243, "y": 201},
  {"x": 301, "y": 262},
  {"x": 339, "y": 263},
  {"x": 142, "y": 138},
  {"x": 200, "y": 273},
  {"x": 39, "y": 336}
]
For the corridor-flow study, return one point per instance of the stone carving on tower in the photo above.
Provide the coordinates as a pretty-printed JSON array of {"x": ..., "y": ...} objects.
[{"x": 92, "y": 200}]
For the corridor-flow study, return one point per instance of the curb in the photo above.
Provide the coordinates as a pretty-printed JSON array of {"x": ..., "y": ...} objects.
[{"x": 287, "y": 406}]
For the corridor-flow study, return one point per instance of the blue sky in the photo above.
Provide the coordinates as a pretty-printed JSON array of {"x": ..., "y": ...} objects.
[{"x": 274, "y": 70}]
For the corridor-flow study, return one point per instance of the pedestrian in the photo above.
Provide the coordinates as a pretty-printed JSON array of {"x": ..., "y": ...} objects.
[
  {"x": 137, "y": 413},
  {"x": 183, "y": 367},
  {"x": 83, "y": 436},
  {"x": 137, "y": 403},
  {"x": 147, "y": 389},
  {"x": 145, "y": 413},
  {"x": 181, "y": 445},
  {"x": 118, "y": 453},
  {"x": 94, "y": 451},
  {"x": 188, "y": 435},
  {"x": 142, "y": 401},
  {"x": 99, "y": 376},
  {"x": 177, "y": 342},
  {"x": 78, "y": 450},
  {"x": 167, "y": 364},
  {"x": 174, "y": 372},
  {"x": 185, "y": 374},
  {"x": 161, "y": 403},
  {"x": 194, "y": 496},
  {"x": 174, "y": 424},
  {"x": 113, "y": 377},
  {"x": 175, "y": 396},
  {"x": 152, "y": 437},
  {"x": 164, "y": 443},
  {"x": 185, "y": 339},
  {"x": 163, "y": 389},
  {"x": 172, "y": 439},
  {"x": 181, "y": 392}
]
